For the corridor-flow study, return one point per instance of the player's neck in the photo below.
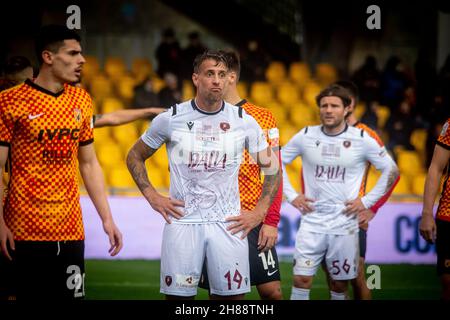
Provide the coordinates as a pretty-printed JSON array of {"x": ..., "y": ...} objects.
[
  {"x": 334, "y": 131},
  {"x": 351, "y": 120},
  {"x": 47, "y": 81},
  {"x": 232, "y": 96},
  {"x": 208, "y": 106}
]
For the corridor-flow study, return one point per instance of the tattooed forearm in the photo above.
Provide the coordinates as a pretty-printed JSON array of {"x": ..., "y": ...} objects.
[
  {"x": 392, "y": 177},
  {"x": 136, "y": 164},
  {"x": 270, "y": 188}
]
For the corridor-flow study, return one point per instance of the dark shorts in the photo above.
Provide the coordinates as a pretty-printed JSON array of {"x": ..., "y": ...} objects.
[
  {"x": 264, "y": 266},
  {"x": 44, "y": 270},
  {"x": 362, "y": 242},
  {"x": 443, "y": 246}
]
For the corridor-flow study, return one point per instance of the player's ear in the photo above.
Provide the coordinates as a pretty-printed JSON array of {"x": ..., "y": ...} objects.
[
  {"x": 195, "y": 79},
  {"x": 47, "y": 56},
  {"x": 232, "y": 77}
]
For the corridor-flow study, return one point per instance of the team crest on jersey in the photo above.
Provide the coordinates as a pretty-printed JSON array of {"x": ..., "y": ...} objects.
[
  {"x": 77, "y": 114},
  {"x": 444, "y": 129},
  {"x": 168, "y": 280},
  {"x": 224, "y": 126},
  {"x": 190, "y": 124},
  {"x": 347, "y": 143}
]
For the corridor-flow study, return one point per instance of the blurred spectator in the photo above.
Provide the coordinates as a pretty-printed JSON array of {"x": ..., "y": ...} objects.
[
  {"x": 194, "y": 48},
  {"x": 254, "y": 63},
  {"x": 144, "y": 96},
  {"x": 425, "y": 85},
  {"x": 368, "y": 80},
  {"x": 400, "y": 126},
  {"x": 370, "y": 117},
  {"x": 170, "y": 94},
  {"x": 443, "y": 91},
  {"x": 17, "y": 70},
  {"x": 393, "y": 83},
  {"x": 168, "y": 53}
]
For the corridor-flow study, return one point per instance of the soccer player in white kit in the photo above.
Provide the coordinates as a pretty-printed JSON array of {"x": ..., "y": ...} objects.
[
  {"x": 205, "y": 139},
  {"x": 334, "y": 157}
]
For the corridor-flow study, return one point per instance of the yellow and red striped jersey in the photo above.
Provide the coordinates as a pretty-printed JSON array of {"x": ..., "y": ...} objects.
[
  {"x": 250, "y": 180},
  {"x": 44, "y": 131},
  {"x": 443, "y": 140}
]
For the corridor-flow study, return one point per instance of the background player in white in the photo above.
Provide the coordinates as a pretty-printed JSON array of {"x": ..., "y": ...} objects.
[
  {"x": 334, "y": 157},
  {"x": 205, "y": 138}
]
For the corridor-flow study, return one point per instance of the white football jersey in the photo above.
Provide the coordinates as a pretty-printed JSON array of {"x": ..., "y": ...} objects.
[
  {"x": 205, "y": 152},
  {"x": 333, "y": 169}
]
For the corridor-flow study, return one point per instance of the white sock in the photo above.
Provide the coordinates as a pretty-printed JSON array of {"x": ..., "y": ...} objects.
[
  {"x": 299, "y": 294},
  {"x": 337, "y": 295}
]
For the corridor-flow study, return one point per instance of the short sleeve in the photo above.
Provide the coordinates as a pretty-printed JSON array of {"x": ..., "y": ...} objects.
[
  {"x": 444, "y": 138},
  {"x": 158, "y": 132},
  {"x": 256, "y": 139},
  {"x": 87, "y": 128}
]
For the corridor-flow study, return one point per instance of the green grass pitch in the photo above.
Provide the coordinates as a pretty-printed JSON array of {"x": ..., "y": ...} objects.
[{"x": 139, "y": 279}]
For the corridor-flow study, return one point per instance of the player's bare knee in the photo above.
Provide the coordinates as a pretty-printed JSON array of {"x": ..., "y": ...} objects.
[
  {"x": 271, "y": 293},
  {"x": 340, "y": 286},
  {"x": 304, "y": 282}
]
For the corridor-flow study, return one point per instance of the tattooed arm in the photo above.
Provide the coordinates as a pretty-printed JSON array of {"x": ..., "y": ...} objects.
[
  {"x": 136, "y": 165},
  {"x": 269, "y": 164}
]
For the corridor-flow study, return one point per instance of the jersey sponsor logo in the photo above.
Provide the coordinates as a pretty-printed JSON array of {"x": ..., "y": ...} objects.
[
  {"x": 347, "y": 143},
  {"x": 444, "y": 129},
  {"x": 317, "y": 143},
  {"x": 190, "y": 124},
  {"x": 382, "y": 153},
  {"x": 35, "y": 116},
  {"x": 224, "y": 126},
  {"x": 330, "y": 173},
  {"x": 59, "y": 134},
  {"x": 331, "y": 150},
  {"x": 207, "y": 160}
]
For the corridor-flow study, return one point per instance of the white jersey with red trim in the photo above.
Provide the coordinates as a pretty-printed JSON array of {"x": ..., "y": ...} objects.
[
  {"x": 205, "y": 152},
  {"x": 333, "y": 170}
]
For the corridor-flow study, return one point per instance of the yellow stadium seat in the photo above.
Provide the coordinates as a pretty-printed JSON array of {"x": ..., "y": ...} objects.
[
  {"x": 90, "y": 69},
  {"x": 103, "y": 135},
  {"x": 311, "y": 90},
  {"x": 125, "y": 135},
  {"x": 359, "y": 111},
  {"x": 278, "y": 111},
  {"x": 286, "y": 133},
  {"x": 242, "y": 89},
  {"x": 418, "y": 139},
  {"x": 325, "y": 73},
  {"x": 418, "y": 184},
  {"x": 100, "y": 87},
  {"x": 261, "y": 93},
  {"x": 115, "y": 67},
  {"x": 120, "y": 177},
  {"x": 275, "y": 72},
  {"x": 299, "y": 73},
  {"x": 288, "y": 94},
  {"x": 188, "y": 90},
  {"x": 111, "y": 104},
  {"x": 383, "y": 114},
  {"x": 403, "y": 186},
  {"x": 125, "y": 86},
  {"x": 110, "y": 155},
  {"x": 141, "y": 69},
  {"x": 409, "y": 163},
  {"x": 158, "y": 84},
  {"x": 294, "y": 178}
]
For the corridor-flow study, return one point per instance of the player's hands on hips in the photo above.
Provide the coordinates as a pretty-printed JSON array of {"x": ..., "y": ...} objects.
[
  {"x": 303, "y": 204},
  {"x": 365, "y": 216},
  {"x": 245, "y": 222},
  {"x": 427, "y": 228},
  {"x": 353, "y": 207},
  {"x": 6, "y": 237},
  {"x": 268, "y": 236},
  {"x": 115, "y": 237},
  {"x": 166, "y": 206}
]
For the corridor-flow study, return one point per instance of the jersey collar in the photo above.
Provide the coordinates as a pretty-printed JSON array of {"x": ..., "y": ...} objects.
[
  {"x": 39, "y": 88},
  {"x": 194, "y": 106},
  {"x": 241, "y": 103},
  {"x": 334, "y": 135}
]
